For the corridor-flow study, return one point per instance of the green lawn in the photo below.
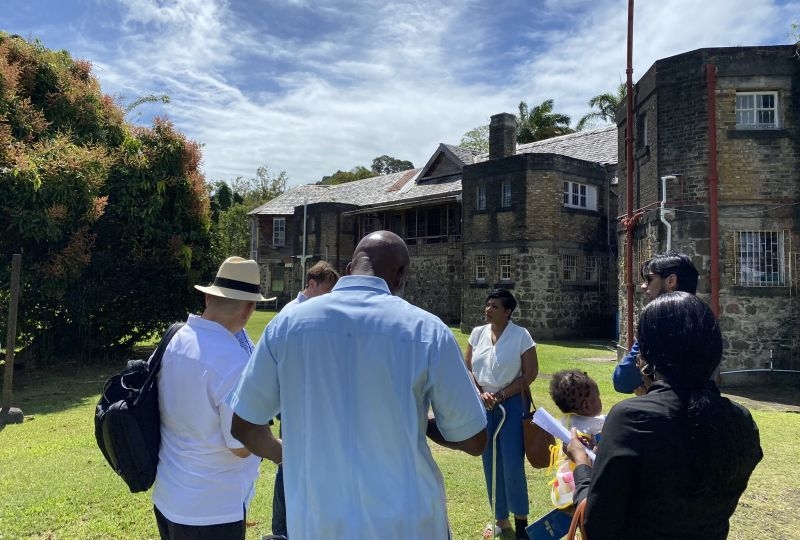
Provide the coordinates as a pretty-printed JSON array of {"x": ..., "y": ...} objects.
[{"x": 56, "y": 485}]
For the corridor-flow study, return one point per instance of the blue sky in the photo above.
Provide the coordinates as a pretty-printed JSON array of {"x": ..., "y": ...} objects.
[{"x": 311, "y": 87}]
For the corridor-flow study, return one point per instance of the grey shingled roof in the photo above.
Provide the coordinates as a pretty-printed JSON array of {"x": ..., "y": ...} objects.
[
  {"x": 368, "y": 192},
  {"x": 466, "y": 155},
  {"x": 598, "y": 145}
]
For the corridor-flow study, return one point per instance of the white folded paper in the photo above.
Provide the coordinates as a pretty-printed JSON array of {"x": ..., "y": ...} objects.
[{"x": 544, "y": 419}]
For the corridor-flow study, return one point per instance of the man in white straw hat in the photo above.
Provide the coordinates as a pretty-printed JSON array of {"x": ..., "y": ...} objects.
[{"x": 206, "y": 478}]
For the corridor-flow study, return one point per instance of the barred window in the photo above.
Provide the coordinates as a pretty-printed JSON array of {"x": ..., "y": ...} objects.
[
  {"x": 480, "y": 198},
  {"x": 480, "y": 267},
  {"x": 590, "y": 273},
  {"x": 504, "y": 264},
  {"x": 760, "y": 258},
  {"x": 505, "y": 201},
  {"x": 757, "y": 110},
  {"x": 278, "y": 231},
  {"x": 569, "y": 268}
]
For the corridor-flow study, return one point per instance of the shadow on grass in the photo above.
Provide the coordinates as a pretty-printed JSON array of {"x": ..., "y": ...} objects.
[
  {"x": 600, "y": 344},
  {"x": 56, "y": 388},
  {"x": 772, "y": 390}
]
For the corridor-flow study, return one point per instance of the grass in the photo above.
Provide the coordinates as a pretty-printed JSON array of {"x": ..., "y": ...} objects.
[{"x": 56, "y": 485}]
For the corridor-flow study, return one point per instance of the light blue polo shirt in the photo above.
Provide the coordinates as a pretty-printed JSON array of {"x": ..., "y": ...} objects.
[{"x": 354, "y": 373}]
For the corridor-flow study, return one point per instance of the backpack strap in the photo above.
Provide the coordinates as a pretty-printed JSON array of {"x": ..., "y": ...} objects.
[{"x": 155, "y": 360}]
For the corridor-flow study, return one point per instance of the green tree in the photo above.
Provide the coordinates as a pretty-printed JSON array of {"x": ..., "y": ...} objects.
[
  {"x": 388, "y": 165},
  {"x": 230, "y": 230},
  {"x": 112, "y": 220},
  {"x": 606, "y": 105},
  {"x": 540, "y": 122},
  {"x": 341, "y": 177},
  {"x": 261, "y": 188},
  {"x": 476, "y": 139}
]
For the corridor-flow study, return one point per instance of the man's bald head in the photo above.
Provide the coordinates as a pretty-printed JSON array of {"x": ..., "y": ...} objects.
[{"x": 382, "y": 254}]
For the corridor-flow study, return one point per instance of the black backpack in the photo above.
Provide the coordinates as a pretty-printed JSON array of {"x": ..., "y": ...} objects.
[{"x": 127, "y": 424}]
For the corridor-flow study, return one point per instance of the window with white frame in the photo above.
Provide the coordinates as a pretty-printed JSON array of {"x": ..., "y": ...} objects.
[
  {"x": 504, "y": 265},
  {"x": 480, "y": 267},
  {"x": 590, "y": 270},
  {"x": 760, "y": 258},
  {"x": 480, "y": 198},
  {"x": 757, "y": 110},
  {"x": 505, "y": 197},
  {"x": 278, "y": 231},
  {"x": 580, "y": 196},
  {"x": 569, "y": 268}
]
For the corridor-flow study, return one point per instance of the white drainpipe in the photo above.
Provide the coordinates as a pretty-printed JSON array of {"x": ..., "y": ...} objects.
[{"x": 666, "y": 223}]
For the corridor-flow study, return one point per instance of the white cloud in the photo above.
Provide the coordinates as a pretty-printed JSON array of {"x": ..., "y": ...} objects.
[{"x": 312, "y": 87}]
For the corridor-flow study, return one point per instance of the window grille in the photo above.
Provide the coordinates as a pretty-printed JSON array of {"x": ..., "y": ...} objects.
[
  {"x": 590, "y": 270},
  {"x": 569, "y": 268},
  {"x": 504, "y": 264},
  {"x": 506, "y": 194},
  {"x": 277, "y": 274},
  {"x": 480, "y": 267},
  {"x": 278, "y": 231},
  {"x": 580, "y": 196},
  {"x": 760, "y": 258},
  {"x": 757, "y": 110},
  {"x": 480, "y": 201}
]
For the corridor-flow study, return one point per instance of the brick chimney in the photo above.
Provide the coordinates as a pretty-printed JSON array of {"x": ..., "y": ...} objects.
[{"x": 502, "y": 135}]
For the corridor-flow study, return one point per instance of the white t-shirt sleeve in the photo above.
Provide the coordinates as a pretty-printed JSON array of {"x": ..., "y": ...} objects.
[
  {"x": 256, "y": 397},
  {"x": 225, "y": 383}
]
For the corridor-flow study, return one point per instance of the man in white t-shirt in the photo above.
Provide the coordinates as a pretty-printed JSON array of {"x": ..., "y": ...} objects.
[
  {"x": 354, "y": 374},
  {"x": 205, "y": 477}
]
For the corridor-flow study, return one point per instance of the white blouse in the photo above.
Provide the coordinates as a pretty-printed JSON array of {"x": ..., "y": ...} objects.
[{"x": 496, "y": 365}]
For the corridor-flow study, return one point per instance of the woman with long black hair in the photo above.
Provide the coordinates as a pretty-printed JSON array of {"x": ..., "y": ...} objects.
[{"x": 672, "y": 463}]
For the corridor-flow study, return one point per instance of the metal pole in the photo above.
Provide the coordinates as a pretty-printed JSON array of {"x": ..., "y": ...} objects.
[
  {"x": 629, "y": 222},
  {"x": 305, "y": 221},
  {"x": 11, "y": 336},
  {"x": 494, "y": 466}
]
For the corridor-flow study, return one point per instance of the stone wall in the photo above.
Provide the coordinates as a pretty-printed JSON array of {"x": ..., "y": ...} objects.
[
  {"x": 435, "y": 278},
  {"x": 548, "y": 307},
  {"x": 758, "y": 189}
]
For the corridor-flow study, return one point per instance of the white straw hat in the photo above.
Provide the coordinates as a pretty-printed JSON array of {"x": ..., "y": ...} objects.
[{"x": 238, "y": 279}]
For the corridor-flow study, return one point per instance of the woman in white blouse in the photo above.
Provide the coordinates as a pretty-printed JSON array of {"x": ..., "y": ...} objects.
[{"x": 502, "y": 359}]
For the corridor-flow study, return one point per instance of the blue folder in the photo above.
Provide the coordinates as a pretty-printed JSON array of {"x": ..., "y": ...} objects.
[{"x": 553, "y": 525}]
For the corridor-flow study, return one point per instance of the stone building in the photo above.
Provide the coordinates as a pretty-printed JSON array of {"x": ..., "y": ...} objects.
[
  {"x": 534, "y": 218},
  {"x": 728, "y": 117}
]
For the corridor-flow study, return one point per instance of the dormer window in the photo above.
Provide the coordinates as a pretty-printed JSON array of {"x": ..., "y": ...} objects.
[{"x": 580, "y": 196}]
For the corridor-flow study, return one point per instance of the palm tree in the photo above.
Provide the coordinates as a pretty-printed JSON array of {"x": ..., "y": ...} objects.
[
  {"x": 540, "y": 123},
  {"x": 607, "y": 104}
]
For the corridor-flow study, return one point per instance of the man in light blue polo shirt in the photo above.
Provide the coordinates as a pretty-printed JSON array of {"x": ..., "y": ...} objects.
[{"x": 354, "y": 374}]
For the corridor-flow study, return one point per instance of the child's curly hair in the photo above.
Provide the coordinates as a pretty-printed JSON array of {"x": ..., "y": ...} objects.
[{"x": 569, "y": 387}]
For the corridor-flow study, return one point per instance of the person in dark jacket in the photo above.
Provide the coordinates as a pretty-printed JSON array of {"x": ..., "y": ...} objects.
[
  {"x": 672, "y": 463},
  {"x": 666, "y": 272}
]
